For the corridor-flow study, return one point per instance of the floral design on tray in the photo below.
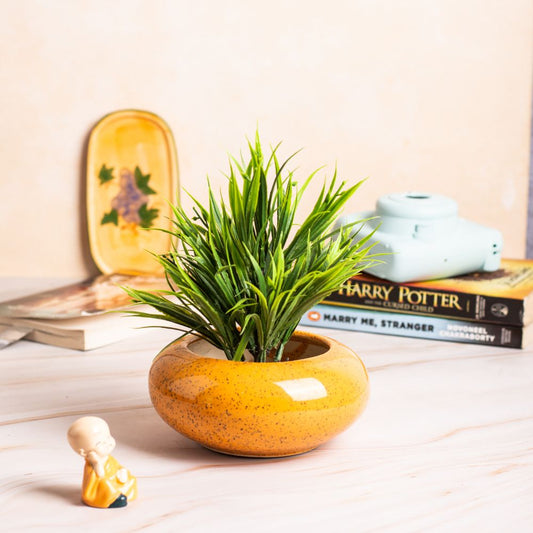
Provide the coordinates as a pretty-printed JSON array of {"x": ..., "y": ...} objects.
[{"x": 130, "y": 205}]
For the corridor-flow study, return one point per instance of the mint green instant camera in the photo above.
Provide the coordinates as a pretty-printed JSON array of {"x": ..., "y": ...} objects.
[{"x": 423, "y": 238}]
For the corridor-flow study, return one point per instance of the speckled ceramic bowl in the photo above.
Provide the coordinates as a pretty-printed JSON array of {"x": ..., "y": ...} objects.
[{"x": 259, "y": 409}]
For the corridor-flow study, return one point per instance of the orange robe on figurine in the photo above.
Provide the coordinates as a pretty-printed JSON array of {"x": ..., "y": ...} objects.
[
  {"x": 105, "y": 482},
  {"x": 103, "y": 491}
]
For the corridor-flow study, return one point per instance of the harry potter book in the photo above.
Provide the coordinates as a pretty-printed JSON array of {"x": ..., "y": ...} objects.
[{"x": 502, "y": 297}]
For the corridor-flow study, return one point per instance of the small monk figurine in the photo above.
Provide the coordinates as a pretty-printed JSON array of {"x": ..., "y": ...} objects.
[{"x": 105, "y": 482}]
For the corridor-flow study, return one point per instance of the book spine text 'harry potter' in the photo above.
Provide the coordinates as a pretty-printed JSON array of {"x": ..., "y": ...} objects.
[{"x": 399, "y": 298}]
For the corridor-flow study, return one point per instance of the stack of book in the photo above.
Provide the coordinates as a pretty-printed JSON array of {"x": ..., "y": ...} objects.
[
  {"x": 81, "y": 316},
  {"x": 492, "y": 308}
]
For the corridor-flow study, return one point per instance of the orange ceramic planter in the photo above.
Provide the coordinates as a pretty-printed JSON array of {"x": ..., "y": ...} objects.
[{"x": 259, "y": 409}]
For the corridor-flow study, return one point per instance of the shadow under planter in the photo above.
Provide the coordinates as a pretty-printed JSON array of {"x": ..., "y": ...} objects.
[{"x": 259, "y": 409}]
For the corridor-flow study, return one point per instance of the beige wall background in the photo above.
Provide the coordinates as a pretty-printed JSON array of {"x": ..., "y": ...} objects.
[{"x": 432, "y": 95}]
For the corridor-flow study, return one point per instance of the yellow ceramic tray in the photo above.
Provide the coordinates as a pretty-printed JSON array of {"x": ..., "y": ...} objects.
[{"x": 132, "y": 175}]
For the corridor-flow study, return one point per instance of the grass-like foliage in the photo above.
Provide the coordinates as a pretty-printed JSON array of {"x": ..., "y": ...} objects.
[{"x": 246, "y": 273}]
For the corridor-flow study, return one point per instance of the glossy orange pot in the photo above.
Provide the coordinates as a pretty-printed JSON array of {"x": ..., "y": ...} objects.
[{"x": 259, "y": 409}]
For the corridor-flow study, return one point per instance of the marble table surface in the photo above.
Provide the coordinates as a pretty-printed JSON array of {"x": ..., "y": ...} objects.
[{"x": 445, "y": 444}]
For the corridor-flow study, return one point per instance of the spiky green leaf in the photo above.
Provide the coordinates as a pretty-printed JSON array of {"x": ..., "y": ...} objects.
[{"x": 246, "y": 273}]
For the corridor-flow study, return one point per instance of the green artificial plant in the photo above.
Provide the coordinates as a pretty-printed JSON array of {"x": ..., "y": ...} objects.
[{"x": 247, "y": 272}]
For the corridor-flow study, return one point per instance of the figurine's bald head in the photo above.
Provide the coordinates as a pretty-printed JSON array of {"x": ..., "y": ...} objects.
[{"x": 90, "y": 434}]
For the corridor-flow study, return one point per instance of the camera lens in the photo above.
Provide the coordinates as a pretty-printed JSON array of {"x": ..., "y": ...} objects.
[{"x": 416, "y": 196}]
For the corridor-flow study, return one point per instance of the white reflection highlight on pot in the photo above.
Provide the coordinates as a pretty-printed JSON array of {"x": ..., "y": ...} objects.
[{"x": 303, "y": 389}]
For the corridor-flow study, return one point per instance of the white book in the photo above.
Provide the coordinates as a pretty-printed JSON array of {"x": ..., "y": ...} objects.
[
  {"x": 82, "y": 316},
  {"x": 84, "y": 333}
]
